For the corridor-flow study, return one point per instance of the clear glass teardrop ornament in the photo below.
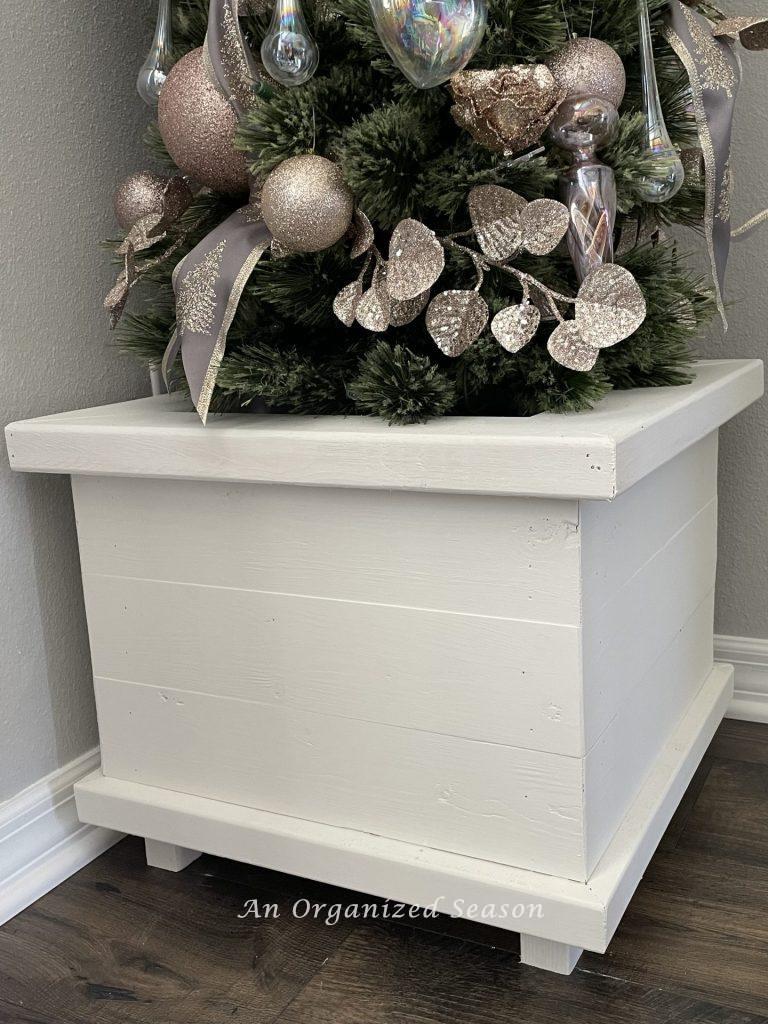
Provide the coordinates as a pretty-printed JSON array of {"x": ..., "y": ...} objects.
[
  {"x": 669, "y": 173},
  {"x": 159, "y": 62},
  {"x": 289, "y": 53}
]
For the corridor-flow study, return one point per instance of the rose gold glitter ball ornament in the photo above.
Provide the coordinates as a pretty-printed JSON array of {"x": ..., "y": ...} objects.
[
  {"x": 589, "y": 67},
  {"x": 145, "y": 193},
  {"x": 306, "y": 203},
  {"x": 198, "y": 126}
]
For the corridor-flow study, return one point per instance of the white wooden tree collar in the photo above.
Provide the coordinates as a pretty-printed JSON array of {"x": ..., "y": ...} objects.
[
  {"x": 597, "y": 454},
  {"x": 469, "y": 661}
]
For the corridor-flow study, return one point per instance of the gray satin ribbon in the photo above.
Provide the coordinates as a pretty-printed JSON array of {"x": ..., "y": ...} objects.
[
  {"x": 209, "y": 281},
  {"x": 208, "y": 284},
  {"x": 714, "y": 72}
]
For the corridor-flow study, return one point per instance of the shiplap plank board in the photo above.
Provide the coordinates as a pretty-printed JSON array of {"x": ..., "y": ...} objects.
[
  {"x": 516, "y": 558},
  {"x": 597, "y": 454},
  {"x": 618, "y": 763},
  {"x": 618, "y": 538},
  {"x": 502, "y": 680},
  {"x": 622, "y": 638},
  {"x": 480, "y": 799}
]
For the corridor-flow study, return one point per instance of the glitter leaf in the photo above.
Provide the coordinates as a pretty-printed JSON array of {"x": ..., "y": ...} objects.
[
  {"x": 346, "y": 302},
  {"x": 609, "y": 307},
  {"x": 543, "y": 224},
  {"x": 402, "y": 313},
  {"x": 416, "y": 260},
  {"x": 751, "y": 31},
  {"x": 495, "y": 213},
  {"x": 515, "y": 326},
  {"x": 456, "y": 319},
  {"x": 362, "y": 235},
  {"x": 567, "y": 347},
  {"x": 373, "y": 308},
  {"x": 147, "y": 231}
]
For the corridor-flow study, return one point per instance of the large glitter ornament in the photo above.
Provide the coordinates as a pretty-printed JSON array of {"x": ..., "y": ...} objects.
[
  {"x": 306, "y": 203},
  {"x": 198, "y": 125},
  {"x": 159, "y": 62},
  {"x": 589, "y": 67},
  {"x": 146, "y": 193},
  {"x": 288, "y": 51},
  {"x": 430, "y": 40},
  {"x": 507, "y": 109}
]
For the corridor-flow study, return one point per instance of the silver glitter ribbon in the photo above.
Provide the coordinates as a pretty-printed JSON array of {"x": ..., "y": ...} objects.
[
  {"x": 230, "y": 63},
  {"x": 208, "y": 284},
  {"x": 714, "y": 72},
  {"x": 210, "y": 280}
]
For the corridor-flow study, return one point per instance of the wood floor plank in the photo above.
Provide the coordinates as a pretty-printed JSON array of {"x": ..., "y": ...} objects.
[
  {"x": 676, "y": 827},
  {"x": 741, "y": 741},
  {"x": 388, "y": 975},
  {"x": 698, "y": 924},
  {"x": 123, "y": 942}
]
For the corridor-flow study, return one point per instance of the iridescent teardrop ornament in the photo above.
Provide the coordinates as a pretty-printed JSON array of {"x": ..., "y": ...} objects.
[
  {"x": 155, "y": 68},
  {"x": 288, "y": 52},
  {"x": 430, "y": 40},
  {"x": 669, "y": 174}
]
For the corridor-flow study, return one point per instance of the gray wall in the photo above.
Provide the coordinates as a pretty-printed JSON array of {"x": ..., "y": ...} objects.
[
  {"x": 742, "y": 599},
  {"x": 70, "y": 128},
  {"x": 70, "y": 125}
]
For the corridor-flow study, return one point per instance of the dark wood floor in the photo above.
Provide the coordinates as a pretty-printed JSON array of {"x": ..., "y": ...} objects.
[{"x": 123, "y": 942}]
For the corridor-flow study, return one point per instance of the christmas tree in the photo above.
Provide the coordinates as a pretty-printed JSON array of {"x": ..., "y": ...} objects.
[{"x": 403, "y": 155}]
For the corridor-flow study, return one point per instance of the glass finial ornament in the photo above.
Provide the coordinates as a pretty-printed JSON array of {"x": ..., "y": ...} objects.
[
  {"x": 669, "y": 174},
  {"x": 289, "y": 53},
  {"x": 430, "y": 40},
  {"x": 581, "y": 126},
  {"x": 155, "y": 68}
]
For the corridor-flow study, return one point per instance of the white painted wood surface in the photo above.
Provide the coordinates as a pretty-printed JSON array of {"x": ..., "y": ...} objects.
[
  {"x": 557, "y": 957},
  {"x": 168, "y": 856},
  {"x": 578, "y": 914},
  {"x": 597, "y": 454},
  {"x": 500, "y": 680},
  {"x": 376, "y": 696},
  {"x": 474, "y": 554},
  {"x": 482, "y": 799}
]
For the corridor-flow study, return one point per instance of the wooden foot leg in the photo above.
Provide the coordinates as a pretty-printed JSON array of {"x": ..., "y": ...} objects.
[
  {"x": 167, "y": 856},
  {"x": 548, "y": 955}
]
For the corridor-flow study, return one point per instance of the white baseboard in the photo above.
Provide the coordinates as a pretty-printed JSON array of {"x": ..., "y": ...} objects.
[
  {"x": 750, "y": 659},
  {"x": 42, "y": 841}
]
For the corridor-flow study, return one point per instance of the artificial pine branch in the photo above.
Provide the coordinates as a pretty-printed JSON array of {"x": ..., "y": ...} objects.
[{"x": 402, "y": 154}]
